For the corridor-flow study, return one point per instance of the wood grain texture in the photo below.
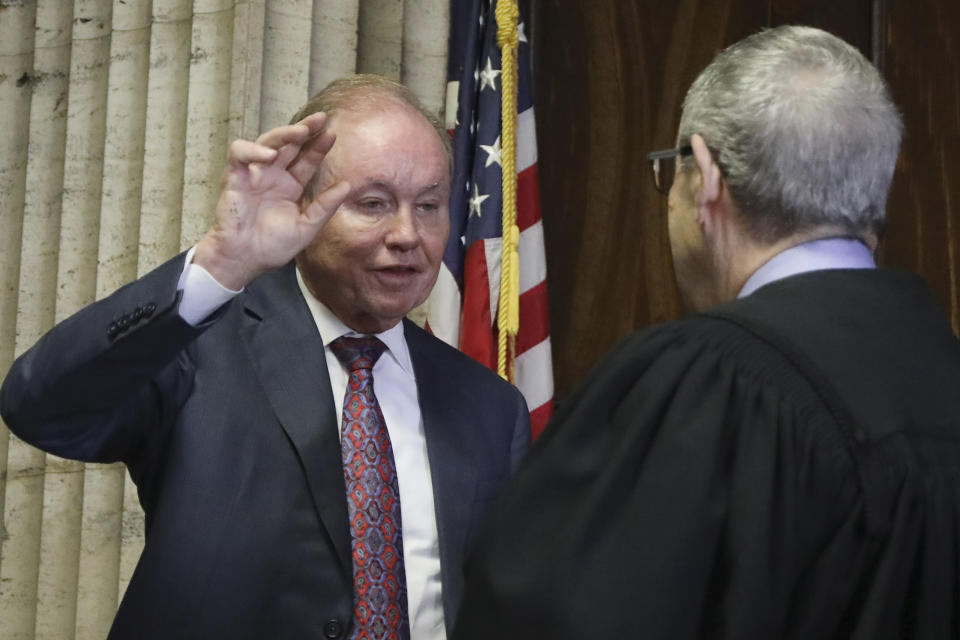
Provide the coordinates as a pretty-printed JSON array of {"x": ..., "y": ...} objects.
[
  {"x": 609, "y": 80},
  {"x": 921, "y": 54}
]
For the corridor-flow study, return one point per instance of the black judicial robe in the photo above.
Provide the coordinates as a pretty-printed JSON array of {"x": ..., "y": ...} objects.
[{"x": 786, "y": 466}]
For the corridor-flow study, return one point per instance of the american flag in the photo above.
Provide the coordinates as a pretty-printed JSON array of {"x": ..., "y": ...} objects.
[{"x": 463, "y": 306}]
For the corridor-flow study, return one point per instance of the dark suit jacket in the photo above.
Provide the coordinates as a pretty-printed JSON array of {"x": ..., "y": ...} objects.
[{"x": 229, "y": 430}]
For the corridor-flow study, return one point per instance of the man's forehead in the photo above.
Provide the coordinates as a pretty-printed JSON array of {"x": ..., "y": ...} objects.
[
  {"x": 392, "y": 183},
  {"x": 400, "y": 128},
  {"x": 387, "y": 167},
  {"x": 373, "y": 108}
]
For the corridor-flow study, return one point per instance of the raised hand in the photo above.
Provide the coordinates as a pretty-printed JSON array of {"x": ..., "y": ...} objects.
[{"x": 259, "y": 222}]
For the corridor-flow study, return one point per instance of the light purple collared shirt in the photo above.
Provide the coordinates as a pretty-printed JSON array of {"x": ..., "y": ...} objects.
[{"x": 828, "y": 253}]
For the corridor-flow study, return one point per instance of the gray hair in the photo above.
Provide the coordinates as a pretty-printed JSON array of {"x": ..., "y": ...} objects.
[
  {"x": 367, "y": 93},
  {"x": 803, "y": 129}
]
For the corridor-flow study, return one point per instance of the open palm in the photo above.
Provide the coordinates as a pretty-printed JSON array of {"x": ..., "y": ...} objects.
[{"x": 259, "y": 222}]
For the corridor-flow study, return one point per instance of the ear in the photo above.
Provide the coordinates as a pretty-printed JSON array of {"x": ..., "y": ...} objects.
[{"x": 710, "y": 190}]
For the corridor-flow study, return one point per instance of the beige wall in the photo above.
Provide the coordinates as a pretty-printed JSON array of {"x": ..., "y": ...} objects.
[{"x": 116, "y": 119}]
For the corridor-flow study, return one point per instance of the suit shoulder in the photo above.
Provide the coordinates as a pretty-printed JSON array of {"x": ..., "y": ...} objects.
[{"x": 431, "y": 352}]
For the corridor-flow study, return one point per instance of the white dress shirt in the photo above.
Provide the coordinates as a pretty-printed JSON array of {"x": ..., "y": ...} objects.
[{"x": 396, "y": 389}]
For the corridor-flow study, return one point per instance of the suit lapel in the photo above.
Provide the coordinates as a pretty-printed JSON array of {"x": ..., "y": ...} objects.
[
  {"x": 288, "y": 355},
  {"x": 445, "y": 425}
]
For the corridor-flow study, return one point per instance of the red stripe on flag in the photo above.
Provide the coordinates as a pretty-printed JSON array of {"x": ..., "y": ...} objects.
[
  {"x": 539, "y": 418},
  {"x": 528, "y": 197},
  {"x": 477, "y": 339},
  {"x": 534, "y": 318}
]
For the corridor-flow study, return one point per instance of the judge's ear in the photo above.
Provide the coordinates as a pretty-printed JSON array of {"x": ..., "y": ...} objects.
[
  {"x": 709, "y": 195},
  {"x": 710, "y": 177}
]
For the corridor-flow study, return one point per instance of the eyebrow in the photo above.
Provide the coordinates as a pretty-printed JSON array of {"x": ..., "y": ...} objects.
[{"x": 387, "y": 186}]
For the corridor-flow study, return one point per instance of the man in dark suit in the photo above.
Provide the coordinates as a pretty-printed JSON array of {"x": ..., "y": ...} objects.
[
  {"x": 222, "y": 380},
  {"x": 786, "y": 462}
]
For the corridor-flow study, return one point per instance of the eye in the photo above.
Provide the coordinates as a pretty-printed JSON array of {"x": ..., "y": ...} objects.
[
  {"x": 428, "y": 207},
  {"x": 372, "y": 205}
]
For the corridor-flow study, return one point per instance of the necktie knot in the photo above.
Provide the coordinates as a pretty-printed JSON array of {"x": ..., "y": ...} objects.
[{"x": 358, "y": 353}]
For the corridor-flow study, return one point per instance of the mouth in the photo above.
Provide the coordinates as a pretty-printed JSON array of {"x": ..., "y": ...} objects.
[
  {"x": 398, "y": 269},
  {"x": 397, "y": 274}
]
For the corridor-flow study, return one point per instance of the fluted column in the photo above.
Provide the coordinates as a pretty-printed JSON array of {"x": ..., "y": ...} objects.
[
  {"x": 333, "y": 42},
  {"x": 22, "y": 479},
  {"x": 247, "y": 77},
  {"x": 425, "y": 50},
  {"x": 63, "y": 479},
  {"x": 208, "y": 114},
  {"x": 117, "y": 115},
  {"x": 16, "y": 63},
  {"x": 380, "y": 49},
  {"x": 165, "y": 136},
  {"x": 286, "y": 60}
]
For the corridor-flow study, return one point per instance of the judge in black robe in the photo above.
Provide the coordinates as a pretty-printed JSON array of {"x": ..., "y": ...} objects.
[{"x": 784, "y": 464}]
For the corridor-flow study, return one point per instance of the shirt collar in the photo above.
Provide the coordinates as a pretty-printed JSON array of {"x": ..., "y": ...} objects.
[
  {"x": 815, "y": 255},
  {"x": 331, "y": 328}
]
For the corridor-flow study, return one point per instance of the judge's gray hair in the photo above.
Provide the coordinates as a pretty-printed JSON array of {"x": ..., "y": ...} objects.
[{"x": 803, "y": 129}]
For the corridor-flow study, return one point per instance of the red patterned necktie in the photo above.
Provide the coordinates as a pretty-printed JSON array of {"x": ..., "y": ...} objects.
[{"x": 373, "y": 499}]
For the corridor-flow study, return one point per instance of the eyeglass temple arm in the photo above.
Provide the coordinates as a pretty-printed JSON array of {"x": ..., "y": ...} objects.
[{"x": 669, "y": 153}]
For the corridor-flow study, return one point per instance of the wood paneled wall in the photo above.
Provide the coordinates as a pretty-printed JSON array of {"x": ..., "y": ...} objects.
[
  {"x": 609, "y": 79},
  {"x": 919, "y": 51}
]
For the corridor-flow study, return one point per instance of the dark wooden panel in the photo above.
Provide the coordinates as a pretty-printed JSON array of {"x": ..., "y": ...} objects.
[
  {"x": 921, "y": 57},
  {"x": 847, "y": 19},
  {"x": 609, "y": 77}
]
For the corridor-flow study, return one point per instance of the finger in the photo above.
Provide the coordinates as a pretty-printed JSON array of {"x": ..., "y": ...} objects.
[
  {"x": 315, "y": 122},
  {"x": 242, "y": 152},
  {"x": 325, "y": 203},
  {"x": 295, "y": 133},
  {"x": 287, "y": 153},
  {"x": 284, "y": 135},
  {"x": 305, "y": 165}
]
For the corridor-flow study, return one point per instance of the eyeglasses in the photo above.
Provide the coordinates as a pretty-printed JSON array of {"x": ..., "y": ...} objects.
[{"x": 663, "y": 163}]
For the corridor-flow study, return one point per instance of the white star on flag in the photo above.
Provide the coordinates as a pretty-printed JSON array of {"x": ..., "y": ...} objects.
[
  {"x": 493, "y": 152},
  {"x": 475, "y": 201},
  {"x": 489, "y": 76}
]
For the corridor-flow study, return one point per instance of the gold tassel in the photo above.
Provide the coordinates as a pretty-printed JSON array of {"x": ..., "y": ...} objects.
[{"x": 508, "y": 309}]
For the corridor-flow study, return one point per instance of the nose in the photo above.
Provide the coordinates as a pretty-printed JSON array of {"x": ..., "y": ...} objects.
[{"x": 402, "y": 233}]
